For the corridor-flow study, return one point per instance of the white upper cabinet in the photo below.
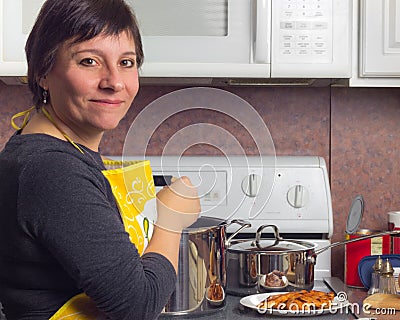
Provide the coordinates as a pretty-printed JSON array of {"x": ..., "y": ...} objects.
[
  {"x": 376, "y": 54},
  {"x": 17, "y": 18},
  {"x": 380, "y": 31}
]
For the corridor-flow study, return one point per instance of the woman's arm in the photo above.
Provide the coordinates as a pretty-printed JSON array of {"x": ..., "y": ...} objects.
[{"x": 178, "y": 206}]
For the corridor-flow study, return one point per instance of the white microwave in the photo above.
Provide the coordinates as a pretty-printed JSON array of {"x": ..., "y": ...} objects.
[
  {"x": 217, "y": 38},
  {"x": 246, "y": 38}
]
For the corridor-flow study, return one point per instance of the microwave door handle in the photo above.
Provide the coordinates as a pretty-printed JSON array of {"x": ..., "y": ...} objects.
[{"x": 262, "y": 31}]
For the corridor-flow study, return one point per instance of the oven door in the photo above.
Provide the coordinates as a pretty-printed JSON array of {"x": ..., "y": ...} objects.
[{"x": 214, "y": 38}]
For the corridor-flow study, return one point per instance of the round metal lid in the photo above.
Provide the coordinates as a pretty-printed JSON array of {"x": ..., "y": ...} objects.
[
  {"x": 355, "y": 215},
  {"x": 271, "y": 246}
]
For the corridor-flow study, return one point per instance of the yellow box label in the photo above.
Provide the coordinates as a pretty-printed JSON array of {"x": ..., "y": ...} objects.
[{"x": 376, "y": 245}]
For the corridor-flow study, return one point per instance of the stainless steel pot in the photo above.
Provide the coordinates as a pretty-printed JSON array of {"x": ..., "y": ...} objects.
[
  {"x": 279, "y": 264},
  {"x": 202, "y": 266}
]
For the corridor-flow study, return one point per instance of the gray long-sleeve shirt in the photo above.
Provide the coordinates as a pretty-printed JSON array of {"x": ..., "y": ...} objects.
[{"x": 61, "y": 234}]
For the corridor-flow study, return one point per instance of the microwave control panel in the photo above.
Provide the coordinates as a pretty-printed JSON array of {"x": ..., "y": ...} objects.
[{"x": 305, "y": 31}]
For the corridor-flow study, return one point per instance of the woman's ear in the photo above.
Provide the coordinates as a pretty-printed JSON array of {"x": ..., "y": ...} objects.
[{"x": 43, "y": 83}]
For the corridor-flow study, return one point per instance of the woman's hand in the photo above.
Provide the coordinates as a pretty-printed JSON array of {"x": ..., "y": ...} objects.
[{"x": 178, "y": 205}]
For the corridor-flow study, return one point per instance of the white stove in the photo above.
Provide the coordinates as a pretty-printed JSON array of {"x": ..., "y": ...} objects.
[{"x": 291, "y": 192}]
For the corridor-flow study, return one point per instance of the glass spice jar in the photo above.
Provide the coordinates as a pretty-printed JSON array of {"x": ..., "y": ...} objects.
[
  {"x": 387, "y": 282},
  {"x": 377, "y": 268}
]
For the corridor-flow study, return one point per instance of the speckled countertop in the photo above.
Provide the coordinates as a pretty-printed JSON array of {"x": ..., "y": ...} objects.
[{"x": 233, "y": 310}]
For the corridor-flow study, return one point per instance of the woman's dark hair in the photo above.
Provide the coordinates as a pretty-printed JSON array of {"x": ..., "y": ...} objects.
[{"x": 76, "y": 21}]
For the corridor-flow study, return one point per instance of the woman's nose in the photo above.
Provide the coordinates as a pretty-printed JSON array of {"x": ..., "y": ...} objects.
[{"x": 111, "y": 79}]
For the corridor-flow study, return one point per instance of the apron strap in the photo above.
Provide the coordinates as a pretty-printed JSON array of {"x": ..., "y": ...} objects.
[
  {"x": 48, "y": 116},
  {"x": 24, "y": 114}
]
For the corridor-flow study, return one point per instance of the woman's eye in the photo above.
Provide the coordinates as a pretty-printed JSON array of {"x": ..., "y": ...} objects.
[
  {"x": 128, "y": 63},
  {"x": 88, "y": 62}
]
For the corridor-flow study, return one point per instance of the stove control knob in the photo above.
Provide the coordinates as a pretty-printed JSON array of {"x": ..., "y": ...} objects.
[
  {"x": 297, "y": 196},
  {"x": 251, "y": 185}
]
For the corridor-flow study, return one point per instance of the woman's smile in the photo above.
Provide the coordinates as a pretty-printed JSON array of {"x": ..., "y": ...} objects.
[{"x": 108, "y": 102}]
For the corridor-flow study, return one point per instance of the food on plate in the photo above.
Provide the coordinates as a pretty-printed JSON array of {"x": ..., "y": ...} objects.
[
  {"x": 215, "y": 292},
  {"x": 300, "y": 300},
  {"x": 274, "y": 279}
]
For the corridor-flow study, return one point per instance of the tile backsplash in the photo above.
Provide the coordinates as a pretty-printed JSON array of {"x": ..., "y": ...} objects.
[{"x": 356, "y": 130}]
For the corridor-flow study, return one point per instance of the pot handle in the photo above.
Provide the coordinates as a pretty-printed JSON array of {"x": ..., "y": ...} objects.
[
  {"x": 259, "y": 232},
  {"x": 335, "y": 244},
  {"x": 243, "y": 224}
]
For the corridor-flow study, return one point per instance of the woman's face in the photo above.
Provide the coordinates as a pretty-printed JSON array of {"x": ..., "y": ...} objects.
[{"x": 93, "y": 83}]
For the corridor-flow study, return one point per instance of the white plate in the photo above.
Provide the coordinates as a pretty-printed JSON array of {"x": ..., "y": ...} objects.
[{"x": 253, "y": 300}]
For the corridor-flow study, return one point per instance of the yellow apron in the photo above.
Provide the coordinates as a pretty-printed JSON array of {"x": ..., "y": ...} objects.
[
  {"x": 79, "y": 307},
  {"x": 132, "y": 185}
]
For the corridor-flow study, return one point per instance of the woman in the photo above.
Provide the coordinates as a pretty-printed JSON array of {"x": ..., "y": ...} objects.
[{"x": 60, "y": 230}]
